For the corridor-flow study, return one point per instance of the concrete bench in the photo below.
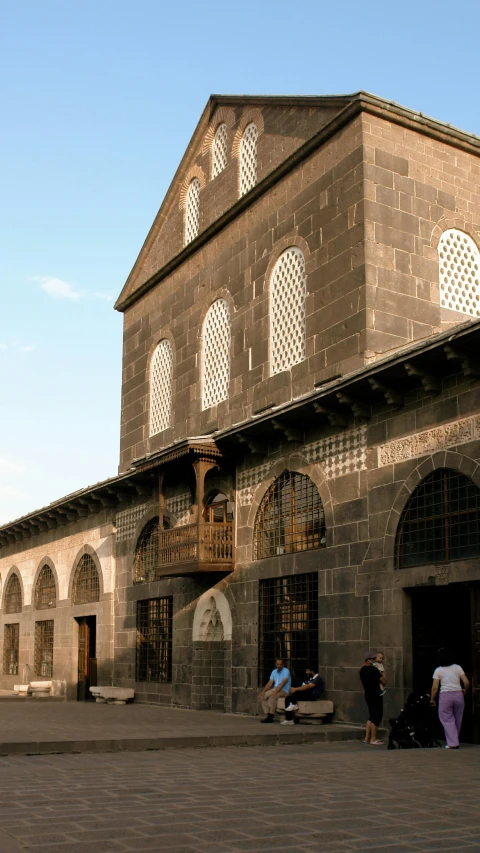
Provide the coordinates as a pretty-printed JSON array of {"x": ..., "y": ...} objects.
[
  {"x": 112, "y": 695},
  {"x": 310, "y": 712}
]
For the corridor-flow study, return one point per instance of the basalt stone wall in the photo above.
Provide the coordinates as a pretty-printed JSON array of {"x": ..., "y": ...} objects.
[
  {"x": 318, "y": 208},
  {"x": 212, "y": 675}
]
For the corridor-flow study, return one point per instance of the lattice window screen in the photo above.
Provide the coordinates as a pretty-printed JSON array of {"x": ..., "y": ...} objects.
[
  {"x": 192, "y": 211},
  {"x": 216, "y": 354},
  {"x": 459, "y": 262},
  {"x": 248, "y": 158},
  {"x": 13, "y": 595},
  {"x": 161, "y": 376},
  {"x": 287, "y": 311},
  {"x": 219, "y": 150}
]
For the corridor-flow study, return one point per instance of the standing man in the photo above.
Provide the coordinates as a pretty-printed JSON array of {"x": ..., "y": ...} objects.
[
  {"x": 373, "y": 683},
  {"x": 278, "y": 685}
]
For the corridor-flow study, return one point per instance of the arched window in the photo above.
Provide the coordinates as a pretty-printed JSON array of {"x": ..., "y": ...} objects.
[
  {"x": 13, "y": 595},
  {"x": 45, "y": 590},
  {"x": 219, "y": 150},
  {"x": 248, "y": 158},
  {"x": 219, "y": 510},
  {"x": 290, "y": 517},
  {"x": 441, "y": 521},
  {"x": 216, "y": 354},
  {"x": 192, "y": 211},
  {"x": 86, "y": 583},
  {"x": 146, "y": 553},
  {"x": 288, "y": 288},
  {"x": 459, "y": 268},
  {"x": 161, "y": 377}
]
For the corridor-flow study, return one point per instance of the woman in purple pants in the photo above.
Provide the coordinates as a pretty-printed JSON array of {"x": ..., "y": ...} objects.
[{"x": 453, "y": 685}]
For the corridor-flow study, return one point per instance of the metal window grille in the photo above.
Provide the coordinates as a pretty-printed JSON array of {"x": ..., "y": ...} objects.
[
  {"x": 146, "y": 562},
  {"x": 13, "y": 595},
  {"x": 161, "y": 376},
  {"x": 86, "y": 583},
  {"x": 248, "y": 158},
  {"x": 216, "y": 354},
  {"x": 11, "y": 644},
  {"x": 45, "y": 590},
  {"x": 219, "y": 150},
  {"x": 459, "y": 269},
  {"x": 440, "y": 522},
  {"x": 288, "y": 290},
  {"x": 44, "y": 648},
  {"x": 192, "y": 211},
  {"x": 154, "y": 639},
  {"x": 288, "y": 624},
  {"x": 290, "y": 517}
]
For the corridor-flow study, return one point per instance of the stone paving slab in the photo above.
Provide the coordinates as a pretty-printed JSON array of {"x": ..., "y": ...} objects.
[
  {"x": 304, "y": 798},
  {"x": 38, "y": 728}
]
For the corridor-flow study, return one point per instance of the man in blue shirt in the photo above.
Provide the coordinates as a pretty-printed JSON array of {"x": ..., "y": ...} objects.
[{"x": 278, "y": 686}]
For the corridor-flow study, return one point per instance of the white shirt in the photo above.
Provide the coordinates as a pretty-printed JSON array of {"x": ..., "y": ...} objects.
[{"x": 449, "y": 677}]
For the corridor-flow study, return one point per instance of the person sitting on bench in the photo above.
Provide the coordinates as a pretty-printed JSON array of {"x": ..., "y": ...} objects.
[{"x": 310, "y": 690}]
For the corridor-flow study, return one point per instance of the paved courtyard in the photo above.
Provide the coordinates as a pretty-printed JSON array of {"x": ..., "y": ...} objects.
[
  {"x": 332, "y": 798},
  {"x": 41, "y": 726}
]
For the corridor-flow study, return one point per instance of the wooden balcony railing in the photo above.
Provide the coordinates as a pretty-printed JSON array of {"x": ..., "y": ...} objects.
[{"x": 203, "y": 543}]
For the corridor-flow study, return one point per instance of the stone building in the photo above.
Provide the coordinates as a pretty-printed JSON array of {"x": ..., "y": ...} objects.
[{"x": 300, "y": 431}]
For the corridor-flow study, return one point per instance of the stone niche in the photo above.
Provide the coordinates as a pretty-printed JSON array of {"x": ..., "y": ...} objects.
[{"x": 212, "y": 653}]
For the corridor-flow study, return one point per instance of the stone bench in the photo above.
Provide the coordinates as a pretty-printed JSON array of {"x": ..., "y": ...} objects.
[
  {"x": 312, "y": 713},
  {"x": 41, "y": 688},
  {"x": 112, "y": 695}
]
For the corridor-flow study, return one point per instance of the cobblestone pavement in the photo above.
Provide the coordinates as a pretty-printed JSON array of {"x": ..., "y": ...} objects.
[{"x": 332, "y": 798}]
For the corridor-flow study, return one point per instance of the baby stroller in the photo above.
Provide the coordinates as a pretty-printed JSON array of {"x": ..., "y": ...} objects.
[{"x": 412, "y": 729}]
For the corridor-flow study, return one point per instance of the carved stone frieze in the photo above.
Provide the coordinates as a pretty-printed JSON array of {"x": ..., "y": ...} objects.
[{"x": 425, "y": 443}]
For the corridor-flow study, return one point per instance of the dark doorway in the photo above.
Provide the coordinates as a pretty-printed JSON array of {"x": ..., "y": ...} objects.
[
  {"x": 87, "y": 659},
  {"x": 448, "y": 616}
]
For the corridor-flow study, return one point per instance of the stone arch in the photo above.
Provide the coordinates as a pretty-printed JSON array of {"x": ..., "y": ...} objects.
[
  {"x": 194, "y": 172},
  {"x": 14, "y": 571},
  {"x": 292, "y": 462},
  {"x": 454, "y": 220},
  {"x": 212, "y": 603},
  {"x": 252, "y": 115},
  {"x": 223, "y": 115},
  {"x": 45, "y": 561},
  {"x": 86, "y": 549},
  {"x": 441, "y": 459}
]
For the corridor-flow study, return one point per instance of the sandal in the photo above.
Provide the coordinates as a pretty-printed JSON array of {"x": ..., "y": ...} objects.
[{"x": 376, "y": 742}]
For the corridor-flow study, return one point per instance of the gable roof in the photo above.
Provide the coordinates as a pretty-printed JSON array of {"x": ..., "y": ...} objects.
[{"x": 347, "y": 106}]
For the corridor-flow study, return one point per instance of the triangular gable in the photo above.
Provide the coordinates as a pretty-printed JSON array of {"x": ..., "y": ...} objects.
[{"x": 151, "y": 258}]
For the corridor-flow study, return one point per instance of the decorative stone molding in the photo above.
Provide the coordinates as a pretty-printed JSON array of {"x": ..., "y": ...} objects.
[
  {"x": 212, "y": 613},
  {"x": 337, "y": 455},
  {"x": 250, "y": 116},
  {"x": 224, "y": 115},
  {"x": 425, "y": 443},
  {"x": 127, "y": 522},
  {"x": 180, "y": 506},
  {"x": 194, "y": 172}
]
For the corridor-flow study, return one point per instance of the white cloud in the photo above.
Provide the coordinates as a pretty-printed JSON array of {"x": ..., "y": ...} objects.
[
  {"x": 7, "y": 464},
  {"x": 26, "y": 348},
  {"x": 103, "y": 295},
  {"x": 58, "y": 288},
  {"x": 3, "y": 347}
]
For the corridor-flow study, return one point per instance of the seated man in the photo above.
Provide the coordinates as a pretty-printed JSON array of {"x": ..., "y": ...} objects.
[
  {"x": 278, "y": 686},
  {"x": 310, "y": 690}
]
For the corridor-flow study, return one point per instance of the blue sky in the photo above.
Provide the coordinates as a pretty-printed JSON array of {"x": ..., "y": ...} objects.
[{"x": 98, "y": 102}]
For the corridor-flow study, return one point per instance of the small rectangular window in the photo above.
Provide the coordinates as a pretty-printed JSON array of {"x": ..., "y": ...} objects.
[
  {"x": 154, "y": 639},
  {"x": 44, "y": 648},
  {"x": 11, "y": 642}
]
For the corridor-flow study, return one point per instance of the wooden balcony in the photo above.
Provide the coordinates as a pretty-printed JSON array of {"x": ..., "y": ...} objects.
[{"x": 193, "y": 548}]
